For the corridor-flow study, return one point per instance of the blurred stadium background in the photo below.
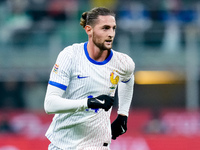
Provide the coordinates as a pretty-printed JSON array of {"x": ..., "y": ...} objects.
[{"x": 162, "y": 37}]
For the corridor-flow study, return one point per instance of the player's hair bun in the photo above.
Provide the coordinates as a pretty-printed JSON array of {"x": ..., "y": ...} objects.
[
  {"x": 83, "y": 19},
  {"x": 90, "y": 17}
]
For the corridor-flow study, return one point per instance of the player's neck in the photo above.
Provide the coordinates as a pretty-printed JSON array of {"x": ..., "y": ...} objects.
[{"x": 96, "y": 54}]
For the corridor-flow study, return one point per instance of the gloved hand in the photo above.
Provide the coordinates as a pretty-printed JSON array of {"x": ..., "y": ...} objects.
[
  {"x": 119, "y": 126},
  {"x": 102, "y": 101}
]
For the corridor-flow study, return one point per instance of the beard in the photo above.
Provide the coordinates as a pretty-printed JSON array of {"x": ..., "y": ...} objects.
[{"x": 99, "y": 44}]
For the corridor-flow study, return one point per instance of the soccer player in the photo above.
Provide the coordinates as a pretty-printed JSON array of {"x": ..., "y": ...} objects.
[{"x": 82, "y": 85}]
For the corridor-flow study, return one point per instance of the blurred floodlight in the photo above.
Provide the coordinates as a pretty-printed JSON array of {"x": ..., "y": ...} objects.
[{"x": 158, "y": 77}]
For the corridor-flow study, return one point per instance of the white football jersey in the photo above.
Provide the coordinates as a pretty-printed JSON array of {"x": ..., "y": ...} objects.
[{"x": 82, "y": 77}]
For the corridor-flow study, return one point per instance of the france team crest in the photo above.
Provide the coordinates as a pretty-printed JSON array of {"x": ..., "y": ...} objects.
[{"x": 114, "y": 79}]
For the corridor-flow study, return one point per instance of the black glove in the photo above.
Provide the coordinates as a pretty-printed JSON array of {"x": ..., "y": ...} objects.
[
  {"x": 119, "y": 126},
  {"x": 102, "y": 101}
]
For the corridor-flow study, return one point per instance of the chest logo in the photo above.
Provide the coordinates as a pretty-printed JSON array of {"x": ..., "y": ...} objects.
[
  {"x": 81, "y": 77},
  {"x": 114, "y": 79}
]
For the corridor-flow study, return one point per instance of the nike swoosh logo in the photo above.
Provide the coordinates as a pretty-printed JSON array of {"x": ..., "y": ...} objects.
[
  {"x": 101, "y": 101},
  {"x": 81, "y": 77},
  {"x": 123, "y": 131}
]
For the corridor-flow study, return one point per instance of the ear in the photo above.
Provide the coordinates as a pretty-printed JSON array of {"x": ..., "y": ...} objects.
[{"x": 88, "y": 29}]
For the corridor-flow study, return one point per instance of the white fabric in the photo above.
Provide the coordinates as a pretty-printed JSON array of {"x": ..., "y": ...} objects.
[
  {"x": 125, "y": 95},
  {"x": 55, "y": 103},
  {"x": 80, "y": 77},
  {"x": 53, "y": 147}
]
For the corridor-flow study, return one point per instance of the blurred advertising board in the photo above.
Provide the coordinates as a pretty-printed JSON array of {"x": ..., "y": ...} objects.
[{"x": 170, "y": 130}]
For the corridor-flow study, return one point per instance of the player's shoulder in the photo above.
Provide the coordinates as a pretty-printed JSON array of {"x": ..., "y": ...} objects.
[
  {"x": 68, "y": 53},
  {"x": 72, "y": 49},
  {"x": 124, "y": 59}
]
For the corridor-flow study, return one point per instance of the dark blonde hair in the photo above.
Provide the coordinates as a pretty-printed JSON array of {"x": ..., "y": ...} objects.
[{"x": 90, "y": 17}]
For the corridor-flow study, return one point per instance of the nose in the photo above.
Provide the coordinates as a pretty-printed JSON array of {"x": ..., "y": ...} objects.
[{"x": 111, "y": 33}]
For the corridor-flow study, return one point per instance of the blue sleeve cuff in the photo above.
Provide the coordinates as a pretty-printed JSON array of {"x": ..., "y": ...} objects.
[
  {"x": 61, "y": 86},
  {"x": 126, "y": 81}
]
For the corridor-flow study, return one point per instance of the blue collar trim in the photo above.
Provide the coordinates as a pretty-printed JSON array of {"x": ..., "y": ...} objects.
[{"x": 94, "y": 61}]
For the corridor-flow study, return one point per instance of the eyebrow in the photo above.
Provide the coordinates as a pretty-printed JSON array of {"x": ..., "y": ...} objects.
[{"x": 115, "y": 26}]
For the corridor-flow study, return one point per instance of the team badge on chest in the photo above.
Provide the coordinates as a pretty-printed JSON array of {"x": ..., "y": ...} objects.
[{"x": 114, "y": 79}]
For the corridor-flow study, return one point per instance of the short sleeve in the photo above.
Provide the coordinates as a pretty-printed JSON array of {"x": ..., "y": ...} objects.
[
  {"x": 61, "y": 70},
  {"x": 129, "y": 69}
]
